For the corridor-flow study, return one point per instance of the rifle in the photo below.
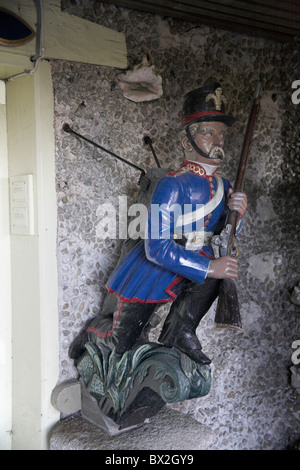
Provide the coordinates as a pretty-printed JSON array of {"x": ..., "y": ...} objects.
[{"x": 228, "y": 312}]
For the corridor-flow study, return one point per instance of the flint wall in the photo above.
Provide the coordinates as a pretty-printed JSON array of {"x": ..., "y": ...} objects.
[{"x": 252, "y": 404}]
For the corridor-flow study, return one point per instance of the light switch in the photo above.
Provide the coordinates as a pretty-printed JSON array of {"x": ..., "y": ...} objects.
[{"x": 21, "y": 205}]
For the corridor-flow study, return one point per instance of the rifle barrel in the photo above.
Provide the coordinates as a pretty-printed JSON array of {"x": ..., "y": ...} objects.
[
  {"x": 228, "y": 312},
  {"x": 257, "y": 91},
  {"x": 247, "y": 141},
  {"x": 233, "y": 216}
]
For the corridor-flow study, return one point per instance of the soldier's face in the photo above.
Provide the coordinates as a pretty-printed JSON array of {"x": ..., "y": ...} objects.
[{"x": 210, "y": 138}]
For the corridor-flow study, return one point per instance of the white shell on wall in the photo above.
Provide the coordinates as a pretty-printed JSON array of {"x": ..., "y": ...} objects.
[{"x": 141, "y": 84}]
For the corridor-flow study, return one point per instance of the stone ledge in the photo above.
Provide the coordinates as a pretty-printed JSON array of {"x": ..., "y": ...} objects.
[{"x": 168, "y": 430}]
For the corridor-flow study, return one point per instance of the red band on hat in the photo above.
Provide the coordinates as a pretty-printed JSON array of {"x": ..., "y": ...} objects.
[{"x": 195, "y": 116}]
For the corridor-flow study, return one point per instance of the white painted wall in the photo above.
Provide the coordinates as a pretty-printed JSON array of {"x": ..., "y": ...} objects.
[
  {"x": 5, "y": 286},
  {"x": 33, "y": 262},
  {"x": 28, "y": 273}
]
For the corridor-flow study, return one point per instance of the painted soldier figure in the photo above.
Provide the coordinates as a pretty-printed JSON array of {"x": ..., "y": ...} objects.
[{"x": 177, "y": 262}]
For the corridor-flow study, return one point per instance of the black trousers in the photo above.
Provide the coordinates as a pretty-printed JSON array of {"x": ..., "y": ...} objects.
[
  {"x": 121, "y": 323},
  {"x": 193, "y": 302}
]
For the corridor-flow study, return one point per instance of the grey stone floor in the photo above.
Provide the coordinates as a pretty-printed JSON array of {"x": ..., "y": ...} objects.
[{"x": 168, "y": 430}]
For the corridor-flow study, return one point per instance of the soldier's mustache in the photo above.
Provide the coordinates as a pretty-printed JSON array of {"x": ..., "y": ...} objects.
[{"x": 216, "y": 153}]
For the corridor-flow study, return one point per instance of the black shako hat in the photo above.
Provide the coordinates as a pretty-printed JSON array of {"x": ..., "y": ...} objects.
[{"x": 205, "y": 104}]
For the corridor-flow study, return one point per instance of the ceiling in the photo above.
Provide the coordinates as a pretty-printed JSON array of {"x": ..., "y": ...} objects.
[{"x": 278, "y": 20}]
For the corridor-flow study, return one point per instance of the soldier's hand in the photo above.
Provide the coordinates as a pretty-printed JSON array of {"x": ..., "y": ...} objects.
[
  {"x": 224, "y": 267},
  {"x": 237, "y": 202}
]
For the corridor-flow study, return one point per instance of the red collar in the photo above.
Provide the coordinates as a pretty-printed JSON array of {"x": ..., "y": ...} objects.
[{"x": 196, "y": 168}]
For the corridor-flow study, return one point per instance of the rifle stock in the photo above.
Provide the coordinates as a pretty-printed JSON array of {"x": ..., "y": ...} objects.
[{"x": 228, "y": 312}]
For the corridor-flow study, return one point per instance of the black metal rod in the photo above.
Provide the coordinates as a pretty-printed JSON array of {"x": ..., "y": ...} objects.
[
  {"x": 69, "y": 130},
  {"x": 148, "y": 141}
]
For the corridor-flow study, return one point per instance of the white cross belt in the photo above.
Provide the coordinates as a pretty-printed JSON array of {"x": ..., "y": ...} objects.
[{"x": 205, "y": 209}]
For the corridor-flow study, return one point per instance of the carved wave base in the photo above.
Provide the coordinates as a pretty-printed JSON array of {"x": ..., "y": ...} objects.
[{"x": 121, "y": 393}]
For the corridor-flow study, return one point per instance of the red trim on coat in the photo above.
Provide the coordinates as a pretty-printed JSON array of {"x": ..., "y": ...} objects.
[
  {"x": 136, "y": 299},
  {"x": 168, "y": 289},
  {"x": 133, "y": 300},
  {"x": 201, "y": 252},
  {"x": 198, "y": 164}
]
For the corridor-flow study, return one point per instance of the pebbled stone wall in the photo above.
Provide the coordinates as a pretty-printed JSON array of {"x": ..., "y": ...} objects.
[{"x": 252, "y": 404}]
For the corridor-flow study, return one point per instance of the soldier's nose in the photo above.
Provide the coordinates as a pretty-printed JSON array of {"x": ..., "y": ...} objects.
[{"x": 218, "y": 140}]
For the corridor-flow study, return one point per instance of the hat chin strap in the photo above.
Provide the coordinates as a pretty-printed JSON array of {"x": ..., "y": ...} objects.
[{"x": 195, "y": 146}]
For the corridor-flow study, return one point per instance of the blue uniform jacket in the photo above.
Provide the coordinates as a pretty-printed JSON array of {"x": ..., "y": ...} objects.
[{"x": 151, "y": 270}]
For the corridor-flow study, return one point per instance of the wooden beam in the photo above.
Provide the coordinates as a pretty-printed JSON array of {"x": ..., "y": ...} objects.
[
  {"x": 238, "y": 8},
  {"x": 217, "y": 19},
  {"x": 218, "y": 10},
  {"x": 285, "y": 5}
]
